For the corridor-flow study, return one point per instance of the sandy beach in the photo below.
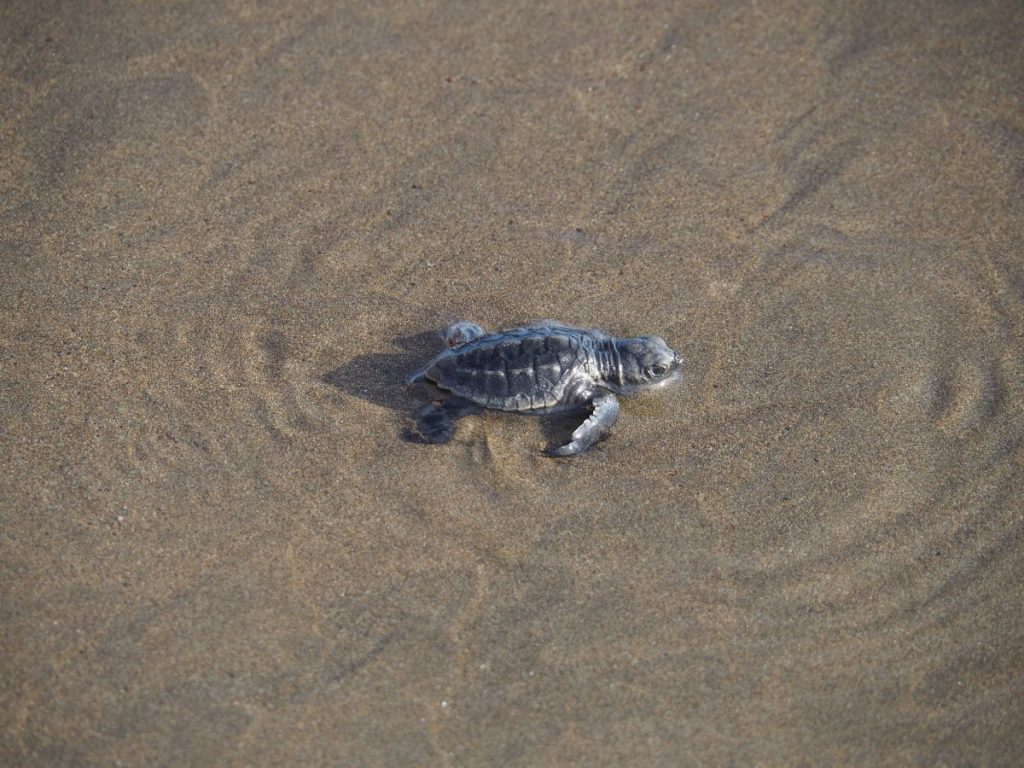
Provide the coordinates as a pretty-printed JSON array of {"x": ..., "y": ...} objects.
[{"x": 229, "y": 231}]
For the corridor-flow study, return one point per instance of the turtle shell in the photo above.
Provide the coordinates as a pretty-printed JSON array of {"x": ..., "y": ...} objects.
[{"x": 523, "y": 369}]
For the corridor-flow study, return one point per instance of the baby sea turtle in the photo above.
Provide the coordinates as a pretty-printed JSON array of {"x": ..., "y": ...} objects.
[{"x": 541, "y": 368}]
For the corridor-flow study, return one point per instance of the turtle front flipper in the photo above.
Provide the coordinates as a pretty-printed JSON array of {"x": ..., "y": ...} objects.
[
  {"x": 436, "y": 423},
  {"x": 596, "y": 426}
]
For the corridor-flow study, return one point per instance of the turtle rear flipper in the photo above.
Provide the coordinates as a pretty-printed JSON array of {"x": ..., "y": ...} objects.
[
  {"x": 417, "y": 378},
  {"x": 436, "y": 423},
  {"x": 462, "y": 332}
]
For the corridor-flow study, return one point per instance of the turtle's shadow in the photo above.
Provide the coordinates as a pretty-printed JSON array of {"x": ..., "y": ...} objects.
[{"x": 380, "y": 378}]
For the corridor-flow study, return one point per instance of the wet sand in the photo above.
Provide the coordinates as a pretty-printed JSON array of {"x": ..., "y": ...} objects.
[{"x": 230, "y": 229}]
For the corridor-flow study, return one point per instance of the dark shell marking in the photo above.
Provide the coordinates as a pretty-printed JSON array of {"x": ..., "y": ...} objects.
[{"x": 541, "y": 368}]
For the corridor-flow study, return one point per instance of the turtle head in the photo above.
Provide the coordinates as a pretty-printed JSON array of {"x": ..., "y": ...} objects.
[{"x": 645, "y": 362}]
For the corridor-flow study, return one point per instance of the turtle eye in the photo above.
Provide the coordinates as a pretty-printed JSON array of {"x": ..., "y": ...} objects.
[{"x": 658, "y": 369}]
